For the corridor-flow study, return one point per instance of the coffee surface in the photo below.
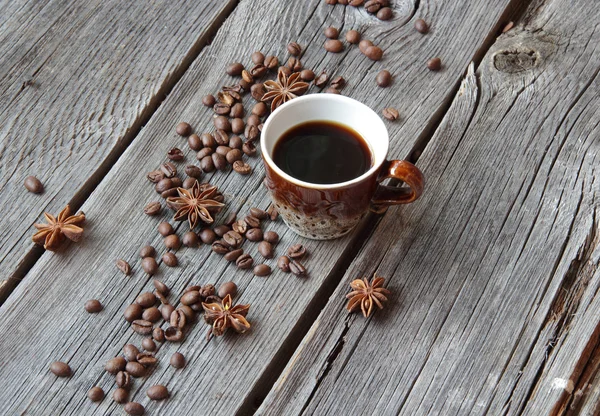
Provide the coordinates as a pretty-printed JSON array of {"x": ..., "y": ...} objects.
[{"x": 322, "y": 152}]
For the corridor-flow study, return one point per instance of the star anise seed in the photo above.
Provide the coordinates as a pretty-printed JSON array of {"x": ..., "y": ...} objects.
[
  {"x": 365, "y": 294},
  {"x": 50, "y": 235},
  {"x": 195, "y": 204},
  {"x": 284, "y": 89},
  {"x": 222, "y": 316}
]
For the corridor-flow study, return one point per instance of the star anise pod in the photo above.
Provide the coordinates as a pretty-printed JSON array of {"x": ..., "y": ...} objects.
[
  {"x": 284, "y": 89},
  {"x": 365, "y": 294},
  {"x": 65, "y": 225},
  {"x": 222, "y": 316},
  {"x": 196, "y": 203}
]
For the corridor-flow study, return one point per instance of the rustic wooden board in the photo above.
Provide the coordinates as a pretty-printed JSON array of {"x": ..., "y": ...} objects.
[
  {"x": 77, "y": 81},
  {"x": 226, "y": 375},
  {"x": 495, "y": 272}
]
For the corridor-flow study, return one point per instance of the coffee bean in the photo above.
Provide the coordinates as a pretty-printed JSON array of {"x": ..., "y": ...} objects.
[
  {"x": 237, "y": 111},
  {"x": 331, "y": 32},
  {"x": 177, "y": 360},
  {"x": 307, "y": 75},
  {"x": 146, "y": 299},
  {"x": 222, "y": 150},
  {"x": 158, "y": 334},
  {"x": 183, "y": 129},
  {"x": 155, "y": 176},
  {"x": 233, "y": 155},
  {"x": 120, "y": 395},
  {"x": 169, "y": 193},
  {"x": 353, "y": 37},
  {"x": 364, "y": 44},
  {"x": 176, "y": 154},
  {"x": 258, "y": 213},
  {"x": 206, "y": 162},
  {"x": 283, "y": 263},
  {"x": 372, "y": 6},
  {"x": 247, "y": 76},
  {"x": 146, "y": 251},
  {"x": 294, "y": 64},
  {"x": 188, "y": 312},
  {"x": 385, "y": 13},
  {"x": 166, "y": 311},
  {"x": 384, "y": 78},
  {"x": 251, "y": 132},
  {"x": 191, "y": 297},
  {"x": 245, "y": 261},
  {"x": 188, "y": 183},
  {"x": 135, "y": 369},
  {"x": 254, "y": 234},
  {"x": 172, "y": 242},
  {"x": 234, "y": 254},
  {"x": 252, "y": 221},
  {"x": 152, "y": 208},
  {"x": 134, "y": 409},
  {"x": 142, "y": 326},
  {"x": 165, "y": 229},
  {"x": 272, "y": 211},
  {"x": 294, "y": 49},
  {"x": 96, "y": 394},
  {"x": 33, "y": 185},
  {"x": 208, "y": 140},
  {"x": 227, "y": 288},
  {"x": 147, "y": 359},
  {"x": 148, "y": 344},
  {"x": 220, "y": 230},
  {"x": 93, "y": 306},
  {"x": 114, "y": 365},
  {"x": 170, "y": 259},
  {"x": 208, "y": 100},
  {"x": 161, "y": 297},
  {"x": 173, "y": 334},
  {"x": 296, "y": 252},
  {"x": 161, "y": 287},
  {"x": 240, "y": 227},
  {"x": 258, "y": 71},
  {"x": 207, "y": 236},
  {"x": 123, "y": 380},
  {"x": 421, "y": 26},
  {"x": 149, "y": 265},
  {"x": 177, "y": 182},
  {"x": 356, "y": 3},
  {"x": 262, "y": 270},
  {"x": 343, "y": 2},
  {"x": 390, "y": 113},
  {"x": 133, "y": 312},
  {"x": 233, "y": 239},
  {"x": 163, "y": 185},
  {"x": 331, "y": 2},
  {"x": 258, "y": 58},
  {"x": 265, "y": 249},
  {"x": 333, "y": 45},
  {"x": 130, "y": 351},
  {"x": 235, "y": 142},
  {"x": 332, "y": 90},
  {"x": 222, "y": 123},
  {"x": 61, "y": 369},
  {"x": 157, "y": 392},
  {"x": 249, "y": 148},
  {"x": 434, "y": 64},
  {"x": 234, "y": 69},
  {"x": 237, "y": 126},
  {"x": 321, "y": 80},
  {"x": 338, "y": 83},
  {"x": 271, "y": 236},
  {"x": 194, "y": 143},
  {"x": 297, "y": 268},
  {"x": 151, "y": 314},
  {"x": 190, "y": 239},
  {"x": 374, "y": 53},
  {"x": 241, "y": 167},
  {"x": 177, "y": 318},
  {"x": 221, "y": 137},
  {"x": 271, "y": 62},
  {"x": 193, "y": 171}
]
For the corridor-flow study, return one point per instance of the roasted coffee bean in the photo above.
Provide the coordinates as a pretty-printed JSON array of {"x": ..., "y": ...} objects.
[
  {"x": 262, "y": 270},
  {"x": 257, "y": 91},
  {"x": 161, "y": 287},
  {"x": 157, "y": 392},
  {"x": 177, "y": 182},
  {"x": 176, "y": 154},
  {"x": 191, "y": 297},
  {"x": 285, "y": 70},
  {"x": 257, "y": 58},
  {"x": 338, "y": 83},
  {"x": 240, "y": 227},
  {"x": 258, "y": 71},
  {"x": 133, "y": 312},
  {"x": 149, "y": 265},
  {"x": 234, "y": 254},
  {"x": 364, "y": 44},
  {"x": 245, "y": 261},
  {"x": 333, "y": 45},
  {"x": 266, "y": 249},
  {"x": 177, "y": 360},
  {"x": 193, "y": 171},
  {"x": 169, "y": 170},
  {"x": 163, "y": 185},
  {"x": 294, "y": 64},
  {"x": 169, "y": 193},
  {"x": 434, "y": 64},
  {"x": 208, "y": 100},
  {"x": 372, "y": 6},
  {"x": 343, "y": 2},
  {"x": 294, "y": 49},
  {"x": 222, "y": 229},
  {"x": 332, "y": 90},
  {"x": 306, "y": 75},
  {"x": 331, "y": 32},
  {"x": 247, "y": 76},
  {"x": 196, "y": 288},
  {"x": 96, "y": 394},
  {"x": 272, "y": 211},
  {"x": 235, "y": 142},
  {"x": 183, "y": 129},
  {"x": 166, "y": 311},
  {"x": 374, "y": 53},
  {"x": 356, "y": 3},
  {"x": 146, "y": 299},
  {"x": 233, "y": 155},
  {"x": 241, "y": 167},
  {"x": 61, "y": 369},
  {"x": 213, "y": 299},
  {"x": 297, "y": 268},
  {"x": 142, "y": 326},
  {"x": 207, "y": 236},
  {"x": 391, "y": 113},
  {"x": 123, "y": 380},
  {"x": 33, "y": 185},
  {"x": 221, "y": 109},
  {"x": 227, "y": 288},
  {"x": 207, "y": 164},
  {"x": 234, "y": 69},
  {"x": 188, "y": 312},
  {"x": 207, "y": 151},
  {"x": 237, "y": 111},
  {"x": 194, "y": 143},
  {"x": 188, "y": 183},
  {"x": 321, "y": 80},
  {"x": 172, "y": 242},
  {"x": 271, "y": 236},
  {"x": 384, "y": 78},
  {"x": 163, "y": 300},
  {"x": 222, "y": 150},
  {"x": 135, "y": 369},
  {"x": 353, "y": 37},
  {"x": 258, "y": 213},
  {"x": 331, "y": 2},
  {"x": 271, "y": 62},
  {"x": 251, "y": 132},
  {"x": 386, "y": 13},
  {"x": 222, "y": 123},
  {"x": 173, "y": 334},
  {"x": 421, "y": 26},
  {"x": 114, "y": 365},
  {"x": 283, "y": 263},
  {"x": 208, "y": 140},
  {"x": 260, "y": 109},
  {"x": 155, "y": 176},
  {"x": 249, "y": 148},
  {"x": 134, "y": 409},
  {"x": 151, "y": 314},
  {"x": 296, "y": 252},
  {"x": 158, "y": 334},
  {"x": 233, "y": 239},
  {"x": 121, "y": 395},
  {"x": 152, "y": 208},
  {"x": 148, "y": 343},
  {"x": 190, "y": 239},
  {"x": 130, "y": 351},
  {"x": 146, "y": 359},
  {"x": 254, "y": 234},
  {"x": 237, "y": 126},
  {"x": 221, "y": 137},
  {"x": 146, "y": 251},
  {"x": 252, "y": 221},
  {"x": 93, "y": 306},
  {"x": 165, "y": 229},
  {"x": 178, "y": 317}
]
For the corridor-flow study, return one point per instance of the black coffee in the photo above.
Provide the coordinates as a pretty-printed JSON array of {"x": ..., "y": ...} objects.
[{"x": 322, "y": 152}]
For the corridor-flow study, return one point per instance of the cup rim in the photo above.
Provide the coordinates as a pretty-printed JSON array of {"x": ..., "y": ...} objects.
[{"x": 325, "y": 97}]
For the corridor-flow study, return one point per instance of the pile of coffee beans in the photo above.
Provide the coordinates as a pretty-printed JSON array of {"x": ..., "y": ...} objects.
[
  {"x": 380, "y": 8},
  {"x": 291, "y": 261}
]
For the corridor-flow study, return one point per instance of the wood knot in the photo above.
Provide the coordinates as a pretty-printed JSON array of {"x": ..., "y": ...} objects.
[{"x": 515, "y": 60}]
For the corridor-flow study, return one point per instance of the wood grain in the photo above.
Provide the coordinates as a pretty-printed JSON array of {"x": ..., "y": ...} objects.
[
  {"x": 226, "y": 375},
  {"x": 77, "y": 80},
  {"x": 495, "y": 271}
]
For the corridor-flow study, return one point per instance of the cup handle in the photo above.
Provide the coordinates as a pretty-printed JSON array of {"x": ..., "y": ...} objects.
[{"x": 404, "y": 171}]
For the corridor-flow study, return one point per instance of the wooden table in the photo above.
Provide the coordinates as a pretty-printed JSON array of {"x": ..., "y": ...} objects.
[{"x": 494, "y": 271}]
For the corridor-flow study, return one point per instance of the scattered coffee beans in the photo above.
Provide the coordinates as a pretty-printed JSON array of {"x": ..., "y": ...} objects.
[
  {"x": 254, "y": 234},
  {"x": 333, "y": 45},
  {"x": 152, "y": 208},
  {"x": 272, "y": 237},
  {"x": 262, "y": 270},
  {"x": 120, "y": 395},
  {"x": 96, "y": 394},
  {"x": 233, "y": 254},
  {"x": 332, "y": 33},
  {"x": 172, "y": 242},
  {"x": 364, "y": 44},
  {"x": 146, "y": 299},
  {"x": 245, "y": 261},
  {"x": 297, "y": 268},
  {"x": 296, "y": 252},
  {"x": 235, "y": 69},
  {"x": 353, "y": 37},
  {"x": 391, "y": 113},
  {"x": 266, "y": 249},
  {"x": 207, "y": 236},
  {"x": 133, "y": 312},
  {"x": 146, "y": 251},
  {"x": 135, "y": 369},
  {"x": 161, "y": 287},
  {"x": 170, "y": 259},
  {"x": 157, "y": 392},
  {"x": 158, "y": 334},
  {"x": 173, "y": 334},
  {"x": 61, "y": 369},
  {"x": 123, "y": 379},
  {"x": 294, "y": 49},
  {"x": 177, "y": 360},
  {"x": 166, "y": 311},
  {"x": 284, "y": 264},
  {"x": 165, "y": 229},
  {"x": 149, "y": 265},
  {"x": 183, "y": 129},
  {"x": 241, "y": 167},
  {"x": 151, "y": 314},
  {"x": 421, "y": 26},
  {"x": 142, "y": 327},
  {"x": 93, "y": 306},
  {"x": 321, "y": 80},
  {"x": 148, "y": 344},
  {"x": 33, "y": 185},
  {"x": 374, "y": 53},
  {"x": 384, "y": 78},
  {"x": 434, "y": 64},
  {"x": 386, "y": 13},
  {"x": 227, "y": 288},
  {"x": 130, "y": 352},
  {"x": 208, "y": 100},
  {"x": 134, "y": 409},
  {"x": 114, "y": 365}
]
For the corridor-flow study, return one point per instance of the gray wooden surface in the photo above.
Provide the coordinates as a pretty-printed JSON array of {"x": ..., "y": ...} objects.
[{"x": 494, "y": 270}]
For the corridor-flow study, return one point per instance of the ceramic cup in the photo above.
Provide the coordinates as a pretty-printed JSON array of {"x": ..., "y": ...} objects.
[{"x": 324, "y": 212}]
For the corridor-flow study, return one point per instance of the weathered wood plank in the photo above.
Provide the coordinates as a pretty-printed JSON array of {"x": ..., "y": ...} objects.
[
  {"x": 225, "y": 375},
  {"x": 495, "y": 271},
  {"x": 77, "y": 80}
]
